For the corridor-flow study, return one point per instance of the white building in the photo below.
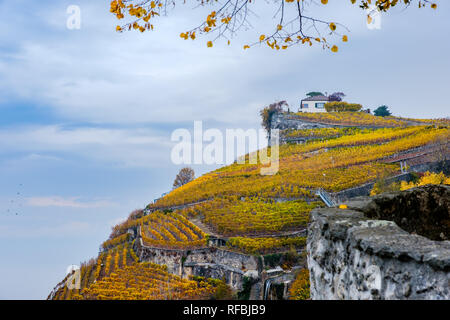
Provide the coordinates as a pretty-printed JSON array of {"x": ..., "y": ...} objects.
[{"x": 313, "y": 104}]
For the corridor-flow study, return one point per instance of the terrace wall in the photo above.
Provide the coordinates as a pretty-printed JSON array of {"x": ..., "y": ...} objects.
[
  {"x": 206, "y": 262},
  {"x": 353, "y": 257}
]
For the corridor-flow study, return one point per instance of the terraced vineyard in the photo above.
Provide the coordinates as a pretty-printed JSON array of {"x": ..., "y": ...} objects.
[
  {"x": 146, "y": 281},
  {"x": 171, "y": 231},
  {"x": 230, "y": 216},
  {"x": 264, "y": 245},
  {"x": 333, "y": 164},
  {"x": 110, "y": 261},
  {"x": 361, "y": 119},
  {"x": 243, "y": 203},
  {"x": 322, "y": 133},
  {"x": 252, "y": 213},
  {"x": 118, "y": 274}
]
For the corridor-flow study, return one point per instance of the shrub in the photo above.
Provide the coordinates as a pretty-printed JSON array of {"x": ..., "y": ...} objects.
[
  {"x": 427, "y": 178},
  {"x": 339, "y": 106},
  {"x": 381, "y": 186}
]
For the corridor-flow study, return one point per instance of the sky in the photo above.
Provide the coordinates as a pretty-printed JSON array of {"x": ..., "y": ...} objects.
[{"x": 86, "y": 115}]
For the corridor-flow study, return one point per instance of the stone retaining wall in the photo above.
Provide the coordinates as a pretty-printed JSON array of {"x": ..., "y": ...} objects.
[
  {"x": 353, "y": 257},
  {"x": 210, "y": 262}
]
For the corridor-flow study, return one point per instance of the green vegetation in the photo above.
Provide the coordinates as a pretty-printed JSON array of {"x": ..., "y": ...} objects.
[
  {"x": 382, "y": 111},
  {"x": 340, "y": 106}
]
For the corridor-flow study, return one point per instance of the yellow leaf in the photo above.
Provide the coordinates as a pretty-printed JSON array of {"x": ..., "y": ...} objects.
[
  {"x": 209, "y": 44},
  {"x": 262, "y": 37},
  {"x": 343, "y": 206},
  {"x": 279, "y": 27},
  {"x": 332, "y": 26},
  {"x": 324, "y": 1},
  {"x": 334, "y": 48},
  {"x": 246, "y": 46},
  {"x": 344, "y": 38}
]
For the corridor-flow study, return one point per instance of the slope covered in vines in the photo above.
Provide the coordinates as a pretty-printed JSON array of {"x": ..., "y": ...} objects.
[{"x": 254, "y": 214}]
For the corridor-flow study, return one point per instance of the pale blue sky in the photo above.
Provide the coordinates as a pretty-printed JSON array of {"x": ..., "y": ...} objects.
[{"x": 86, "y": 115}]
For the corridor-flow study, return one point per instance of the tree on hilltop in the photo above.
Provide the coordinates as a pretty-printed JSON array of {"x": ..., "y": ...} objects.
[
  {"x": 382, "y": 111},
  {"x": 184, "y": 176},
  {"x": 336, "y": 96},
  {"x": 314, "y": 94},
  {"x": 268, "y": 112},
  {"x": 293, "y": 26}
]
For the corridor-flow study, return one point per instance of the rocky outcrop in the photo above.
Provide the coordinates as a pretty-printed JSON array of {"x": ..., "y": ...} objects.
[
  {"x": 210, "y": 262},
  {"x": 284, "y": 121},
  {"x": 353, "y": 255}
]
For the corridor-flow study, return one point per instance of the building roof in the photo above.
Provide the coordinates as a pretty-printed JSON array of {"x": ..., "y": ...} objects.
[{"x": 316, "y": 98}]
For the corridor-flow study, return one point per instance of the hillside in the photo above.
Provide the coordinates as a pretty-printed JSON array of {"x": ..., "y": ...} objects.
[{"x": 235, "y": 224}]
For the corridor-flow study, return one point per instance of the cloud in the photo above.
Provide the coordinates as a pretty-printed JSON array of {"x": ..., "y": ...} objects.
[
  {"x": 72, "y": 202},
  {"x": 130, "y": 147},
  {"x": 96, "y": 75}
]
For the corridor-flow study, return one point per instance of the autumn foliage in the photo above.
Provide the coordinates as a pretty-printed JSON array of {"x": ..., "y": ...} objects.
[
  {"x": 293, "y": 24},
  {"x": 300, "y": 288}
]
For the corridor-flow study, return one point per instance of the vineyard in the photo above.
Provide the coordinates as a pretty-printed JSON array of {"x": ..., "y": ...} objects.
[
  {"x": 171, "y": 231},
  {"x": 264, "y": 245},
  {"x": 333, "y": 164},
  {"x": 231, "y": 217},
  {"x": 146, "y": 281},
  {"x": 300, "y": 287},
  {"x": 118, "y": 274},
  {"x": 322, "y": 133},
  {"x": 355, "y": 119},
  {"x": 107, "y": 262},
  {"x": 254, "y": 214}
]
